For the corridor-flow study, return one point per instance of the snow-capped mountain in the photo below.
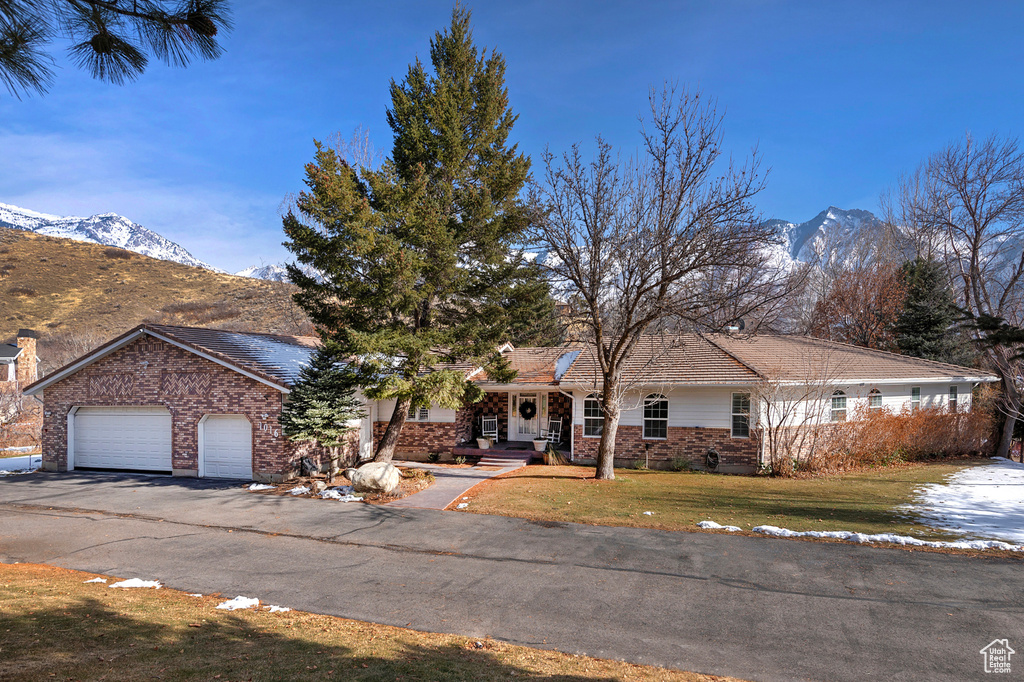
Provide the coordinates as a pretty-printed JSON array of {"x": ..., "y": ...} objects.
[
  {"x": 109, "y": 229},
  {"x": 272, "y": 272},
  {"x": 841, "y": 235}
]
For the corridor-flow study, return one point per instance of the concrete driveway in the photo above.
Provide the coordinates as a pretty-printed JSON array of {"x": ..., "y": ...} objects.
[{"x": 759, "y": 609}]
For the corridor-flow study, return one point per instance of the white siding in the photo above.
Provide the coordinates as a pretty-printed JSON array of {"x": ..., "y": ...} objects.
[
  {"x": 697, "y": 406},
  {"x": 385, "y": 408}
]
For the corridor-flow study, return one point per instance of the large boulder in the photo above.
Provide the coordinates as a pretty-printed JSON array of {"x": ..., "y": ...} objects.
[{"x": 375, "y": 477}]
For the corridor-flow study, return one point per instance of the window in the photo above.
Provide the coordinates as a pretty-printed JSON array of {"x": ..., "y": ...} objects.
[
  {"x": 655, "y": 416},
  {"x": 593, "y": 417},
  {"x": 741, "y": 415},
  {"x": 874, "y": 401},
  {"x": 952, "y": 399},
  {"x": 915, "y": 398},
  {"x": 421, "y": 414},
  {"x": 9, "y": 372},
  {"x": 838, "y": 406}
]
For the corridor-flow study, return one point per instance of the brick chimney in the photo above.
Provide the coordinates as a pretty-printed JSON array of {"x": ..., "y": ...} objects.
[{"x": 27, "y": 370}]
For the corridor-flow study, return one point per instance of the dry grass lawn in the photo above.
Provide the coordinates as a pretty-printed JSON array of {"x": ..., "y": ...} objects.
[
  {"x": 865, "y": 501},
  {"x": 53, "y": 626}
]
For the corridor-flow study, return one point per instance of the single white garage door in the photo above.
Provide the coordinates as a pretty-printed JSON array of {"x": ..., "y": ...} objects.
[
  {"x": 227, "y": 447},
  {"x": 123, "y": 438}
]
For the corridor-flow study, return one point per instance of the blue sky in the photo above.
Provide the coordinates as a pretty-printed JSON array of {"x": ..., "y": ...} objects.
[{"x": 839, "y": 97}]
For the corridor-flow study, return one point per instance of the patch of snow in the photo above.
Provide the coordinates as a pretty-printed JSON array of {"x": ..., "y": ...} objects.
[
  {"x": 564, "y": 362},
  {"x": 95, "y": 580},
  {"x": 195, "y": 595},
  {"x": 278, "y": 609},
  {"x": 15, "y": 466},
  {"x": 342, "y": 493},
  {"x": 138, "y": 582},
  {"x": 462, "y": 505},
  {"x": 288, "y": 359},
  {"x": 261, "y": 486},
  {"x": 711, "y": 525},
  {"x": 19, "y": 448},
  {"x": 891, "y": 538},
  {"x": 464, "y": 499},
  {"x": 299, "y": 490},
  {"x": 980, "y": 501},
  {"x": 648, "y": 513},
  {"x": 239, "y": 602}
]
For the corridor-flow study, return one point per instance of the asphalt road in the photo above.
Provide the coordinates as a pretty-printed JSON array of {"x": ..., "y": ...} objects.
[{"x": 758, "y": 609}]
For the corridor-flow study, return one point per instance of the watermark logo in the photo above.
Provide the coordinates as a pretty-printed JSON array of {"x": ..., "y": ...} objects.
[{"x": 997, "y": 656}]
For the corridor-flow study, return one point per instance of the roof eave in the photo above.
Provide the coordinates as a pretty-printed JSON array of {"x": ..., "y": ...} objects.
[{"x": 126, "y": 338}]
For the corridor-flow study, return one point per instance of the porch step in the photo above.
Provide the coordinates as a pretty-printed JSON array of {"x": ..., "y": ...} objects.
[{"x": 505, "y": 458}]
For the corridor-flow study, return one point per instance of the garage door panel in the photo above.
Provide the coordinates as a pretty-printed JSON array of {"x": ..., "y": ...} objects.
[
  {"x": 123, "y": 438},
  {"x": 227, "y": 447}
]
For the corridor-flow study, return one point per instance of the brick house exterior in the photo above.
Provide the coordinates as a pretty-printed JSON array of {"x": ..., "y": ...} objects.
[
  {"x": 695, "y": 395},
  {"x": 157, "y": 367}
]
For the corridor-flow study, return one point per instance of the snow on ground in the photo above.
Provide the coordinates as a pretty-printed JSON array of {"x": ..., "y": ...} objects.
[
  {"x": 260, "y": 486},
  {"x": 278, "y": 609},
  {"x": 462, "y": 505},
  {"x": 886, "y": 537},
  {"x": 342, "y": 493},
  {"x": 95, "y": 580},
  {"x": 982, "y": 501},
  {"x": 711, "y": 525},
  {"x": 20, "y": 448},
  {"x": 239, "y": 602},
  {"x": 137, "y": 582},
  {"x": 13, "y": 466},
  {"x": 299, "y": 490}
]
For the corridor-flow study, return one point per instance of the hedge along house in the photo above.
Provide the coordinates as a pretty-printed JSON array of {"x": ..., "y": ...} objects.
[{"x": 180, "y": 400}]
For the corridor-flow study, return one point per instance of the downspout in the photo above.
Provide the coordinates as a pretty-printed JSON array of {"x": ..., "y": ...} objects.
[{"x": 572, "y": 426}]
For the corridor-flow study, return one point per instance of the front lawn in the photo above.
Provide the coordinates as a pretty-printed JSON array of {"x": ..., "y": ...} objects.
[
  {"x": 55, "y": 626},
  {"x": 864, "y": 501}
]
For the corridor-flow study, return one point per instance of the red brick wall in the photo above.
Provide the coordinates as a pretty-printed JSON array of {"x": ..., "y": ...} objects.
[
  {"x": 150, "y": 372},
  {"x": 691, "y": 443},
  {"x": 492, "y": 404},
  {"x": 423, "y": 437}
]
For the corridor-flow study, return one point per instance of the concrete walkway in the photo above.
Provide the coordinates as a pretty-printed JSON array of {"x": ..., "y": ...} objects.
[{"x": 449, "y": 484}]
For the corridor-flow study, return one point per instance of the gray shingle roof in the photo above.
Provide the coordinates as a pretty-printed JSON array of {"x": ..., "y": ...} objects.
[{"x": 276, "y": 357}]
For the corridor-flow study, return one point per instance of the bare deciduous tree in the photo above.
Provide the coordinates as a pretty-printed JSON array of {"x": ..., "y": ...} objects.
[
  {"x": 667, "y": 240},
  {"x": 862, "y": 307},
  {"x": 965, "y": 207}
]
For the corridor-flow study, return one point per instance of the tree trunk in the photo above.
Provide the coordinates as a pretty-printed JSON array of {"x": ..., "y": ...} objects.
[
  {"x": 386, "y": 449},
  {"x": 606, "y": 449},
  {"x": 1011, "y": 406}
]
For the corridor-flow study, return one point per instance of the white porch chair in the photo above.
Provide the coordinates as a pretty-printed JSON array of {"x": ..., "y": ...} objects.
[
  {"x": 489, "y": 427},
  {"x": 552, "y": 434}
]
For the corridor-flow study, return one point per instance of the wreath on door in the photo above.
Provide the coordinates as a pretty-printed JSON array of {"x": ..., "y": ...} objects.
[{"x": 527, "y": 409}]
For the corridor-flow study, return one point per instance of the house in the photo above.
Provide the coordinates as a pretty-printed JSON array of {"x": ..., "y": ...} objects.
[
  {"x": 203, "y": 402},
  {"x": 20, "y": 417},
  {"x": 180, "y": 400}
]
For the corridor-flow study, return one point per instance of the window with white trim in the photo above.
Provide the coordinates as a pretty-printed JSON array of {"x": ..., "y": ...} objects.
[
  {"x": 656, "y": 416},
  {"x": 953, "y": 398},
  {"x": 838, "y": 406},
  {"x": 421, "y": 414},
  {"x": 593, "y": 416},
  {"x": 11, "y": 372},
  {"x": 874, "y": 401},
  {"x": 741, "y": 415},
  {"x": 915, "y": 398}
]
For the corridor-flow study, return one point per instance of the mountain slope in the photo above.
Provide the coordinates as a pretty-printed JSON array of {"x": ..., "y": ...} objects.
[
  {"x": 65, "y": 288},
  {"x": 272, "y": 272},
  {"x": 842, "y": 234},
  {"x": 109, "y": 229}
]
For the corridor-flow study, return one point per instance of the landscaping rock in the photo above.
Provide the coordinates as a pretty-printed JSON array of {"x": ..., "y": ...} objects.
[
  {"x": 318, "y": 486},
  {"x": 375, "y": 477}
]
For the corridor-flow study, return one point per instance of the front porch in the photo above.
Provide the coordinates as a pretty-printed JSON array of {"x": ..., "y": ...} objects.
[{"x": 505, "y": 450}]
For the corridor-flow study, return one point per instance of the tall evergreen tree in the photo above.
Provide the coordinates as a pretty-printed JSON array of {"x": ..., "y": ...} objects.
[
  {"x": 417, "y": 259},
  {"x": 322, "y": 404},
  {"x": 926, "y": 327}
]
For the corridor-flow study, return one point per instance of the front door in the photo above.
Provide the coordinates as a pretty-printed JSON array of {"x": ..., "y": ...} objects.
[{"x": 526, "y": 416}]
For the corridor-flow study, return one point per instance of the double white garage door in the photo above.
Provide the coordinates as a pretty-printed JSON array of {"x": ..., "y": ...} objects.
[{"x": 139, "y": 438}]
